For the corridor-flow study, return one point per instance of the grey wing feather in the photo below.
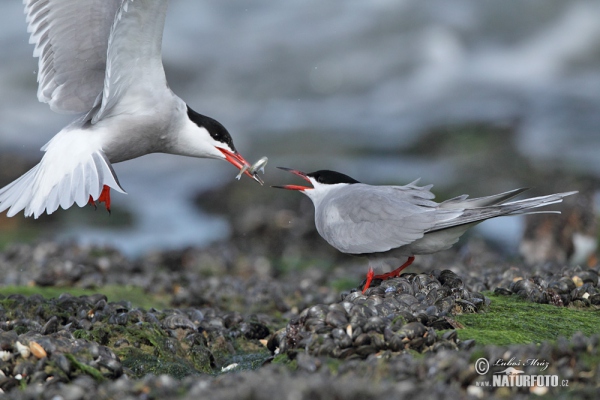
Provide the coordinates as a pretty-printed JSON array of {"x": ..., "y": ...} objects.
[
  {"x": 464, "y": 202},
  {"x": 479, "y": 214},
  {"x": 361, "y": 219},
  {"x": 134, "y": 53},
  {"x": 71, "y": 42}
]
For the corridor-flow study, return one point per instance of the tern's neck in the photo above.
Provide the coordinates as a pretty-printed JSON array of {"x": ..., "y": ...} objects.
[
  {"x": 321, "y": 192},
  {"x": 194, "y": 141}
]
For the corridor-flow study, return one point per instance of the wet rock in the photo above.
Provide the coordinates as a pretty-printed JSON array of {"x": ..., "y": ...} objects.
[
  {"x": 554, "y": 285},
  {"x": 383, "y": 319}
]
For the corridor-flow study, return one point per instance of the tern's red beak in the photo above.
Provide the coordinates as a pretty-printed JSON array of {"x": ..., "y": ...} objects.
[
  {"x": 239, "y": 162},
  {"x": 294, "y": 187}
]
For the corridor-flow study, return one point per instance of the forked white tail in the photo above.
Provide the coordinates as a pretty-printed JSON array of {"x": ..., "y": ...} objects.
[{"x": 72, "y": 170}]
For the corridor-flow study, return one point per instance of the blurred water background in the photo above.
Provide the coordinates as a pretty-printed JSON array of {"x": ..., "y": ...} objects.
[{"x": 382, "y": 90}]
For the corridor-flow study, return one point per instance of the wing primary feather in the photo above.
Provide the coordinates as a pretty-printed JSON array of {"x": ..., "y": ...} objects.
[
  {"x": 478, "y": 214},
  {"x": 67, "y": 58}
]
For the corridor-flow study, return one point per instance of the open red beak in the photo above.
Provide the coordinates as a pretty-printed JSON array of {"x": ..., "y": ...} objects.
[
  {"x": 239, "y": 162},
  {"x": 294, "y": 187}
]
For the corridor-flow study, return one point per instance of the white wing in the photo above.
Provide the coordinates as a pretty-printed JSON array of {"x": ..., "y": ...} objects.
[
  {"x": 71, "y": 42},
  {"x": 134, "y": 65}
]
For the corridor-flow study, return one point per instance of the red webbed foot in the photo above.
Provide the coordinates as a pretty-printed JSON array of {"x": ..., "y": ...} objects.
[{"x": 103, "y": 198}]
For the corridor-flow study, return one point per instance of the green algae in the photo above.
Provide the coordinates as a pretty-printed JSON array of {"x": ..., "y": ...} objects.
[
  {"x": 86, "y": 369},
  {"x": 512, "y": 320},
  {"x": 180, "y": 358},
  {"x": 137, "y": 364},
  {"x": 133, "y": 294},
  {"x": 146, "y": 348},
  {"x": 284, "y": 359}
]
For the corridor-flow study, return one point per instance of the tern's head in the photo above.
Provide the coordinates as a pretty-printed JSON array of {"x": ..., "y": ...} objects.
[
  {"x": 322, "y": 181},
  {"x": 205, "y": 137}
]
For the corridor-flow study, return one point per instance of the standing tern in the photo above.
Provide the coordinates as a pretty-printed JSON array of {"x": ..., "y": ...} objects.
[
  {"x": 102, "y": 59},
  {"x": 392, "y": 223}
]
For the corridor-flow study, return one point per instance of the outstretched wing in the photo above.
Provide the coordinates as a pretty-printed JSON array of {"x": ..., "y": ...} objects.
[
  {"x": 134, "y": 66},
  {"x": 362, "y": 219},
  {"x": 71, "y": 42}
]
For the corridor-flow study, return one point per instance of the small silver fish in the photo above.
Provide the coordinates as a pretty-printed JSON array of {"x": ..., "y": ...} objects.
[{"x": 257, "y": 166}]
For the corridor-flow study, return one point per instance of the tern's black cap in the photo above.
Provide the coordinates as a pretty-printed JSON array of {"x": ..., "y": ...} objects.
[
  {"x": 331, "y": 177},
  {"x": 214, "y": 127}
]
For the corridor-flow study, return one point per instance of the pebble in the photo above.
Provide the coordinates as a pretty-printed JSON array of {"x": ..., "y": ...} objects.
[
  {"x": 22, "y": 349},
  {"x": 37, "y": 350}
]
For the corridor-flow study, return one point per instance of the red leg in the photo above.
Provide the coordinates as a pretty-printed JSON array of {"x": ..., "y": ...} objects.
[
  {"x": 393, "y": 274},
  {"x": 103, "y": 198},
  {"x": 370, "y": 276},
  {"x": 397, "y": 271}
]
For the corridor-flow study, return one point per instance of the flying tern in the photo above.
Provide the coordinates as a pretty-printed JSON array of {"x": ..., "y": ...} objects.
[
  {"x": 392, "y": 223},
  {"x": 101, "y": 59}
]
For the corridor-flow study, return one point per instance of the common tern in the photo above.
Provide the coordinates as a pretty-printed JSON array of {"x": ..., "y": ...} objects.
[
  {"x": 101, "y": 59},
  {"x": 392, "y": 223}
]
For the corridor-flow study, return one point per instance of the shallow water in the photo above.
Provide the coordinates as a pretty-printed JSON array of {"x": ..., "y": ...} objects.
[{"x": 334, "y": 85}]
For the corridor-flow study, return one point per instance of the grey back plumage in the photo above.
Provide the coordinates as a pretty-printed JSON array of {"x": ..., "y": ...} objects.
[{"x": 360, "y": 218}]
